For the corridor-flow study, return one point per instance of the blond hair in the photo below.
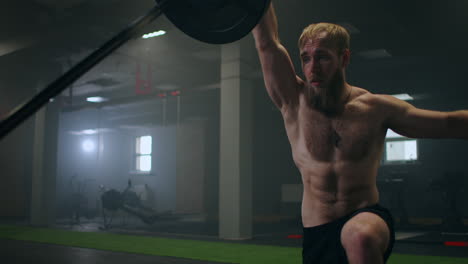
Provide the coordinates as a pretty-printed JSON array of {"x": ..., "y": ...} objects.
[{"x": 336, "y": 35}]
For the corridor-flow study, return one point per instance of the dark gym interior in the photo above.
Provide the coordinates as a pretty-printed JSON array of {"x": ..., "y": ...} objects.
[{"x": 151, "y": 124}]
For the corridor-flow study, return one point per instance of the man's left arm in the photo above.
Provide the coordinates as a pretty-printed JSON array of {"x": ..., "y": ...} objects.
[
  {"x": 457, "y": 124},
  {"x": 409, "y": 121}
]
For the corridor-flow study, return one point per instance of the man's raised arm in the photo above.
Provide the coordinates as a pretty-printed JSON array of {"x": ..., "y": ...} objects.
[
  {"x": 413, "y": 122},
  {"x": 281, "y": 81}
]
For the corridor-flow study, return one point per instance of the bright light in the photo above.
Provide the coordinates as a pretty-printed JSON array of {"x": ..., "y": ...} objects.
[
  {"x": 144, "y": 145},
  {"x": 404, "y": 97},
  {"x": 143, "y": 150},
  {"x": 88, "y": 145},
  {"x": 96, "y": 99},
  {"x": 144, "y": 163},
  {"x": 89, "y": 131},
  {"x": 154, "y": 34},
  {"x": 393, "y": 134},
  {"x": 402, "y": 150}
]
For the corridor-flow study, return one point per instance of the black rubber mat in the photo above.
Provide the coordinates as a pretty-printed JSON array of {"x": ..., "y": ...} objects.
[
  {"x": 429, "y": 250},
  {"x": 23, "y": 252}
]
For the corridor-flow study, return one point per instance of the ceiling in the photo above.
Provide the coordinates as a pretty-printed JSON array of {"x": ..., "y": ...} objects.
[{"x": 393, "y": 43}]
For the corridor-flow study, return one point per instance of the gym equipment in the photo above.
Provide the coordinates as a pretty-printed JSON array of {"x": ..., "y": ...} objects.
[
  {"x": 212, "y": 21},
  {"x": 215, "y": 21},
  {"x": 450, "y": 187},
  {"x": 127, "y": 201}
]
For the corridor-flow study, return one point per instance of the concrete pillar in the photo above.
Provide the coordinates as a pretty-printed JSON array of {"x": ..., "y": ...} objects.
[
  {"x": 44, "y": 172},
  {"x": 236, "y": 133}
]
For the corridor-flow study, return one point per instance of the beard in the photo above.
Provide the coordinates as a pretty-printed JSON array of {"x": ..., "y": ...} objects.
[{"x": 326, "y": 98}]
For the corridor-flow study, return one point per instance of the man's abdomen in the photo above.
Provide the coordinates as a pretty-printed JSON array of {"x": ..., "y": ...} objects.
[{"x": 329, "y": 196}]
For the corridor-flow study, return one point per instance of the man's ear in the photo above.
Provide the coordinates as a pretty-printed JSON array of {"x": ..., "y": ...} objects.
[{"x": 346, "y": 58}]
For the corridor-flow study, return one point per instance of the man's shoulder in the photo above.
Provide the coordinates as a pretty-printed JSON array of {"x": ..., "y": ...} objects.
[
  {"x": 383, "y": 106},
  {"x": 361, "y": 96},
  {"x": 369, "y": 98}
]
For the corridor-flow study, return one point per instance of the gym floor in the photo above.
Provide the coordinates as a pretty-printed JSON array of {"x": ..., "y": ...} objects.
[
  {"x": 22, "y": 252},
  {"x": 421, "y": 243}
]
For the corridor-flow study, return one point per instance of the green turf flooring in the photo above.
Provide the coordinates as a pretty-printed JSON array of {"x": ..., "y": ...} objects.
[{"x": 193, "y": 249}]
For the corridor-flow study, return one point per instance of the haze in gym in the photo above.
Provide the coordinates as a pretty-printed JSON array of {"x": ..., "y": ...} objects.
[{"x": 170, "y": 151}]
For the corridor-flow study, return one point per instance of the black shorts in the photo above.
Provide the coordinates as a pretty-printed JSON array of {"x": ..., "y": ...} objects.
[{"x": 322, "y": 244}]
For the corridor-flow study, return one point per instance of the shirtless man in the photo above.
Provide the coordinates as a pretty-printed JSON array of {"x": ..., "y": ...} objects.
[{"x": 337, "y": 133}]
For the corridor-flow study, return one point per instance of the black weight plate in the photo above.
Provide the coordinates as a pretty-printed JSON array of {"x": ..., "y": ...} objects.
[{"x": 215, "y": 21}]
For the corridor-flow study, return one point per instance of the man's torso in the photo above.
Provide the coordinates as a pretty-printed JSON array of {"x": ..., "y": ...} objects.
[{"x": 338, "y": 156}]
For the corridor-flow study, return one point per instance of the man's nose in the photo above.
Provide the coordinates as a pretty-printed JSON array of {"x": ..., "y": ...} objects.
[{"x": 315, "y": 66}]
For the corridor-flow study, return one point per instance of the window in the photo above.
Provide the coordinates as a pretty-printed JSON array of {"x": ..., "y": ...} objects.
[
  {"x": 143, "y": 153},
  {"x": 400, "y": 149}
]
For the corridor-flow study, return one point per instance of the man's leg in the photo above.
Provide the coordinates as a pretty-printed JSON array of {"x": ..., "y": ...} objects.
[{"x": 365, "y": 238}]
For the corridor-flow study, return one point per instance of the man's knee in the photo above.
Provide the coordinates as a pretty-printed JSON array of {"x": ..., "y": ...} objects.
[
  {"x": 365, "y": 232},
  {"x": 359, "y": 239}
]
